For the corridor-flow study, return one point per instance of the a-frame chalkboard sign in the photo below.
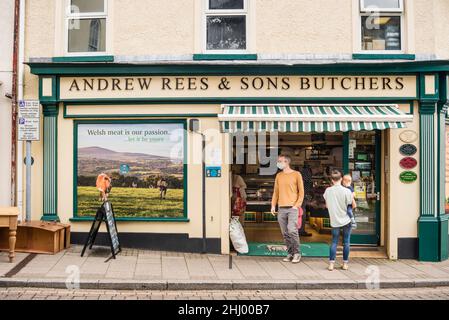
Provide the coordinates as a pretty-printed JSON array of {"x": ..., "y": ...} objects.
[{"x": 104, "y": 213}]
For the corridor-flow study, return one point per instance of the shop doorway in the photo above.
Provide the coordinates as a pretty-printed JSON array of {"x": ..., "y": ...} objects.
[
  {"x": 315, "y": 156},
  {"x": 362, "y": 161}
]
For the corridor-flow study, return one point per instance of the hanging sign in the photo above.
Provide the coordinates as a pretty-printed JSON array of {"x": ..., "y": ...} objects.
[
  {"x": 29, "y": 120},
  {"x": 408, "y": 177},
  {"x": 408, "y": 150},
  {"x": 408, "y": 163}
]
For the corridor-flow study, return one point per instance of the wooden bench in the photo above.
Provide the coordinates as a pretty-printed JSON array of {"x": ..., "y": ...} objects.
[{"x": 8, "y": 218}]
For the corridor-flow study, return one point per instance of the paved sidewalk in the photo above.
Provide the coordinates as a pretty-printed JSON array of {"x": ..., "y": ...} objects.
[
  {"x": 142, "y": 269},
  {"x": 252, "y": 295}
]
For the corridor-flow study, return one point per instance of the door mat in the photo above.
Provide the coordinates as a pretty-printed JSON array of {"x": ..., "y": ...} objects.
[{"x": 310, "y": 249}]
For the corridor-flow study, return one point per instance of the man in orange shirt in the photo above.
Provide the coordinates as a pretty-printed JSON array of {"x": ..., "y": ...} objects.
[{"x": 288, "y": 195}]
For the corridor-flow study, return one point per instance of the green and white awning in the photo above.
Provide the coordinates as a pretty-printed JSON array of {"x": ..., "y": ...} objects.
[{"x": 311, "y": 118}]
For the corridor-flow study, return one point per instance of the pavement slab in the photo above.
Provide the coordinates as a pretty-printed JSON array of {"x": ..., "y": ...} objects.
[{"x": 144, "y": 269}]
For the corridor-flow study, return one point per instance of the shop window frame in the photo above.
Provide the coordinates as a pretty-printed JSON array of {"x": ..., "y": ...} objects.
[
  {"x": 76, "y": 123},
  {"x": 225, "y": 12},
  {"x": 381, "y": 12},
  {"x": 68, "y": 15}
]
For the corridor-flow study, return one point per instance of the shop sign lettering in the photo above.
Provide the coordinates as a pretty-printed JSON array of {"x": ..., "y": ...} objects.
[
  {"x": 408, "y": 177},
  {"x": 238, "y": 86}
]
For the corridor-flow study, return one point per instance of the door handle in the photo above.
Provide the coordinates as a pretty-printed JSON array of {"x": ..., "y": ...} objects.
[{"x": 378, "y": 196}]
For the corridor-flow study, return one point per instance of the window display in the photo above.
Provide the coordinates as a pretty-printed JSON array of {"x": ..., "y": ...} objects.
[{"x": 381, "y": 33}]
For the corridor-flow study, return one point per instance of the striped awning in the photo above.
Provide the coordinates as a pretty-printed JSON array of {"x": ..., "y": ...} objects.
[{"x": 311, "y": 118}]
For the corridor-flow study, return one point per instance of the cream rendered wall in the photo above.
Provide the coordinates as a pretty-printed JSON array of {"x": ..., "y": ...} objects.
[
  {"x": 39, "y": 38},
  {"x": 146, "y": 27},
  {"x": 425, "y": 26},
  {"x": 442, "y": 28},
  {"x": 404, "y": 199},
  {"x": 159, "y": 27},
  {"x": 217, "y": 201},
  {"x": 6, "y": 52}
]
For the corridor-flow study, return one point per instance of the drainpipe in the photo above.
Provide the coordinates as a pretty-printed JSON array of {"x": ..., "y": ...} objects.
[
  {"x": 14, "y": 103},
  {"x": 20, "y": 86}
]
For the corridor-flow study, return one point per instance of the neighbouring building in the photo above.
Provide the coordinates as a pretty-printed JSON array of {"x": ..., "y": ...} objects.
[{"x": 129, "y": 88}]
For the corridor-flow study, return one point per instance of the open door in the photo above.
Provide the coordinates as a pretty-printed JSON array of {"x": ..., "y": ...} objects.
[{"x": 362, "y": 159}]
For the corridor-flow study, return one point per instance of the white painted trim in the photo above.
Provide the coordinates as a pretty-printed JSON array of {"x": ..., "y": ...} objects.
[
  {"x": 371, "y": 9},
  {"x": 100, "y": 15}
]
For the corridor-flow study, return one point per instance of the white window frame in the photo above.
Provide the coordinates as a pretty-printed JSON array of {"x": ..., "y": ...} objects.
[
  {"x": 225, "y": 12},
  {"x": 390, "y": 12},
  {"x": 84, "y": 15}
]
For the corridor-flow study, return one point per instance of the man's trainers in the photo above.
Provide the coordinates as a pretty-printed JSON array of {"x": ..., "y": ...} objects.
[
  {"x": 296, "y": 258},
  {"x": 331, "y": 266},
  {"x": 345, "y": 266},
  {"x": 288, "y": 258}
]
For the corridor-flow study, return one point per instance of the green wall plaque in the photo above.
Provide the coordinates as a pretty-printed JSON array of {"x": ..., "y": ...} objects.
[{"x": 408, "y": 177}]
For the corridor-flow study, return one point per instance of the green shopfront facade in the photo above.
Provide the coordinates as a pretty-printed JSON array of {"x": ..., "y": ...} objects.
[{"x": 412, "y": 218}]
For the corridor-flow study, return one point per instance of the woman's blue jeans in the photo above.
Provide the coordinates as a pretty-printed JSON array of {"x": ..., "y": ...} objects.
[{"x": 346, "y": 242}]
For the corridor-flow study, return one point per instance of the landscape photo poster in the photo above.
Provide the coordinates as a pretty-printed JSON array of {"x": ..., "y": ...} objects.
[{"x": 145, "y": 161}]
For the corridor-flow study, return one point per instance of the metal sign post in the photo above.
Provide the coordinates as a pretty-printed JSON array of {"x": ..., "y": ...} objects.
[{"x": 29, "y": 130}]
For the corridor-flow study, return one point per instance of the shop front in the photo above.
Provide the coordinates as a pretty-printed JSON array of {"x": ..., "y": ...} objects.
[{"x": 380, "y": 123}]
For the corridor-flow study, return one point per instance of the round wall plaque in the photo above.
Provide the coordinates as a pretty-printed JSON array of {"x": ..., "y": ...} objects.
[
  {"x": 408, "y": 163},
  {"x": 408, "y": 177},
  {"x": 408, "y": 136},
  {"x": 408, "y": 150}
]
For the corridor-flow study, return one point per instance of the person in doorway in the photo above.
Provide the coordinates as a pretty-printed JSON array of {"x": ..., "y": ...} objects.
[
  {"x": 338, "y": 198},
  {"x": 306, "y": 173},
  {"x": 288, "y": 195},
  {"x": 238, "y": 200},
  {"x": 347, "y": 183},
  {"x": 162, "y": 184}
]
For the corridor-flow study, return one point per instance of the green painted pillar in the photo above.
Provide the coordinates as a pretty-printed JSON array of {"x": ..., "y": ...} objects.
[
  {"x": 432, "y": 223},
  {"x": 50, "y": 174}
]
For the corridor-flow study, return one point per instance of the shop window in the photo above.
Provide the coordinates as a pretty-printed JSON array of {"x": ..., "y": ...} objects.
[
  {"x": 145, "y": 160},
  {"x": 226, "y": 25},
  {"x": 86, "y": 22},
  {"x": 382, "y": 25}
]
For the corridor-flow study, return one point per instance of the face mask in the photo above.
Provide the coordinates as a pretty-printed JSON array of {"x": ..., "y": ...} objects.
[{"x": 281, "y": 166}]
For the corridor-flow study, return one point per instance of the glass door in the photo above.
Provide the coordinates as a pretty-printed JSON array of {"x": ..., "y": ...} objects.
[{"x": 362, "y": 162}]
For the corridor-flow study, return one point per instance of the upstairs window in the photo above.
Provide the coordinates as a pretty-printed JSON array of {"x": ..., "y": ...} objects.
[
  {"x": 86, "y": 26},
  {"x": 226, "y": 25},
  {"x": 382, "y": 25}
]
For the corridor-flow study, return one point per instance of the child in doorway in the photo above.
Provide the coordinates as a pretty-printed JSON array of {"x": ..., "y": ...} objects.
[{"x": 347, "y": 183}]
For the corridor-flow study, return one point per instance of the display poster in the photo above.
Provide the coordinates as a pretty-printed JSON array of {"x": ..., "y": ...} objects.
[{"x": 145, "y": 161}]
